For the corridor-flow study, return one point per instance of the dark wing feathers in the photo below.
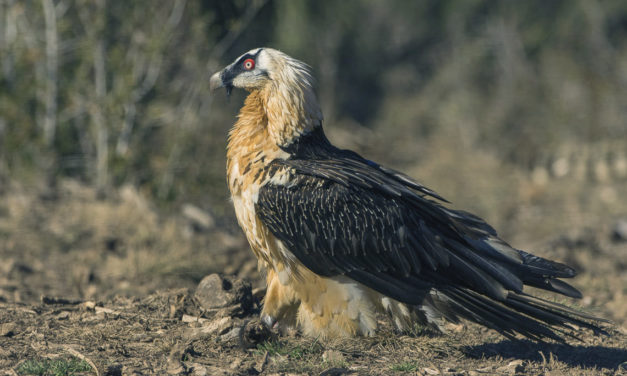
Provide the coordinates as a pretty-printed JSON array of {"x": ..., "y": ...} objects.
[
  {"x": 409, "y": 182},
  {"x": 344, "y": 215}
]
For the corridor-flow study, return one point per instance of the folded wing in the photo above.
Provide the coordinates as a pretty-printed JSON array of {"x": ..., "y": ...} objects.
[{"x": 344, "y": 215}]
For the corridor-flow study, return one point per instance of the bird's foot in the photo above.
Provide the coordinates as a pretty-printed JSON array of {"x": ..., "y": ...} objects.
[
  {"x": 254, "y": 332},
  {"x": 269, "y": 321},
  {"x": 280, "y": 328}
]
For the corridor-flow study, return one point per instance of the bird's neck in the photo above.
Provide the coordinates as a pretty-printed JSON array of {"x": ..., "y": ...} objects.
[
  {"x": 251, "y": 146},
  {"x": 271, "y": 120},
  {"x": 292, "y": 110}
]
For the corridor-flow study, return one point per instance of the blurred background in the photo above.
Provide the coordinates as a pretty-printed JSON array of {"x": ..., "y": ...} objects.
[{"x": 112, "y": 148}]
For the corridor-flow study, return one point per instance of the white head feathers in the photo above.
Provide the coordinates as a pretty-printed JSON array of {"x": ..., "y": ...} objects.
[{"x": 285, "y": 86}]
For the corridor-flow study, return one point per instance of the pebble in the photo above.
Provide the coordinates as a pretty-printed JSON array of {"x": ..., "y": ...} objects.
[
  {"x": 231, "y": 335},
  {"x": 8, "y": 329},
  {"x": 199, "y": 219},
  {"x": 430, "y": 371},
  {"x": 619, "y": 233},
  {"x": 215, "y": 292},
  {"x": 513, "y": 368}
]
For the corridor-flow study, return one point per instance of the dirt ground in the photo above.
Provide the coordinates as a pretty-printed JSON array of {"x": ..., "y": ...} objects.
[{"x": 113, "y": 284}]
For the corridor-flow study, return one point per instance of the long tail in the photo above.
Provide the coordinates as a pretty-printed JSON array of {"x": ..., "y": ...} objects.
[
  {"x": 519, "y": 312},
  {"x": 533, "y": 317}
]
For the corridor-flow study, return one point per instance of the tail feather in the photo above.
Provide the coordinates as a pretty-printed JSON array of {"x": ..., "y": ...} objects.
[
  {"x": 532, "y": 317},
  {"x": 552, "y": 284},
  {"x": 557, "y": 308},
  {"x": 539, "y": 266},
  {"x": 490, "y": 313}
]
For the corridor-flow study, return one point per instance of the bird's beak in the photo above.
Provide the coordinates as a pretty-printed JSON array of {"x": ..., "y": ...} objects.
[{"x": 216, "y": 82}]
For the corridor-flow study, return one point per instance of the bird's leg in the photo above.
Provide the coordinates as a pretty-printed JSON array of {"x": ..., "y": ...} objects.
[{"x": 280, "y": 303}]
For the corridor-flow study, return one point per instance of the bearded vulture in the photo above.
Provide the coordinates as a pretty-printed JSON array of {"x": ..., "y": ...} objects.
[{"x": 343, "y": 238}]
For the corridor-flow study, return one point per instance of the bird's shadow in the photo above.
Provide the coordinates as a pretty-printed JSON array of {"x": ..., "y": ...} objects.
[{"x": 582, "y": 356}]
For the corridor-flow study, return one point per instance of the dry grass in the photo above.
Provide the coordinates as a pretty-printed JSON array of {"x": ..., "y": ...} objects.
[{"x": 114, "y": 255}]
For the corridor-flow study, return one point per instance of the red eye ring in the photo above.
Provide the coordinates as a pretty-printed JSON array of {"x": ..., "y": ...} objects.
[{"x": 249, "y": 64}]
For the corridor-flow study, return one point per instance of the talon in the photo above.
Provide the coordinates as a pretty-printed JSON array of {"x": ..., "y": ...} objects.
[{"x": 268, "y": 321}]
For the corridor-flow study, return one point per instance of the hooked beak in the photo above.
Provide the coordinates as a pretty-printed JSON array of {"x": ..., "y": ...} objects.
[{"x": 216, "y": 82}]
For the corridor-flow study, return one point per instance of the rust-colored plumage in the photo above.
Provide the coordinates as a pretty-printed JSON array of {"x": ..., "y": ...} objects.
[{"x": 342, "y": 238}]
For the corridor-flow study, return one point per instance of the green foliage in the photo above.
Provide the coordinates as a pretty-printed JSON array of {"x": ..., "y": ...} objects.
[
  {"x": 302, "y": 357},
  {"x": 404, "y": 367},
  {"x": 54, "y": 367}
]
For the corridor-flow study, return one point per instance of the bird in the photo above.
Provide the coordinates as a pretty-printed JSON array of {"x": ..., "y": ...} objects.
[{"x": 342, "y": 239}]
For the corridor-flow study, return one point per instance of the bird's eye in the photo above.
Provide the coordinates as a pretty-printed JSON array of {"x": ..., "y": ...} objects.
[{"x": 249, "y": 64}]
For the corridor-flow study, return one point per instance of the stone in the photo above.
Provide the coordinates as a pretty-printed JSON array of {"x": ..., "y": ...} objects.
[
  {"x": 619, "y": 232},
  {"x": 215, "y": 292},
  {"x": 106, "y": 312},
  {"x": 193, "y": 319},
  {"x": 231, "y": 335},
  {"x": 218, "y": 326},
  {"x": 514, "y": 367},
  {"x": 199, "y": 219},
  {"x": 197, "y": 369},
  {"x": 8, "y": 329},
  {"x": 430, "y": 371},
  {"x": 88, "y": 305}
]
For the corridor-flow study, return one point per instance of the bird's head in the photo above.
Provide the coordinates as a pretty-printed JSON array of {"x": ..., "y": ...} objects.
[
  {"x": 259, "y": 67},
  {"x": 285, "y": 90},
  {"x": 249, "y": 71}
]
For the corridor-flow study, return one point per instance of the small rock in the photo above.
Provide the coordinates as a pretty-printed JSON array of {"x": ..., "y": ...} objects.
[
  {"x": 114, "y": 370},
  {"x": 219, "y": 326},
  {"x": 191, "y": 319},
  {"x": 430, "y": 371},
  {"x": 197, "y": 369},
  {"x": 88, "y": 305},
  {"x": 513, "y": 368},
  {"x": 200, "y": 219},
  {"x": 106, "y": 312},
  {"x": 619, "y": 232},
  {"x": 8, "y": 329},
  {"x": 63, "y": 315},
  {"x": 231, "y": 335},
  {"x": 215, "y": 292},
  {"x": 333, "y": 357}
]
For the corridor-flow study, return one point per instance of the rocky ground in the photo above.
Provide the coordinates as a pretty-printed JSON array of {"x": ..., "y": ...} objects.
[{"x": 112, "y": 287}]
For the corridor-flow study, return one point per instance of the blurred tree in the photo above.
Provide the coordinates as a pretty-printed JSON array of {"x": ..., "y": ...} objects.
[{"x": 116, "y": 92}]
